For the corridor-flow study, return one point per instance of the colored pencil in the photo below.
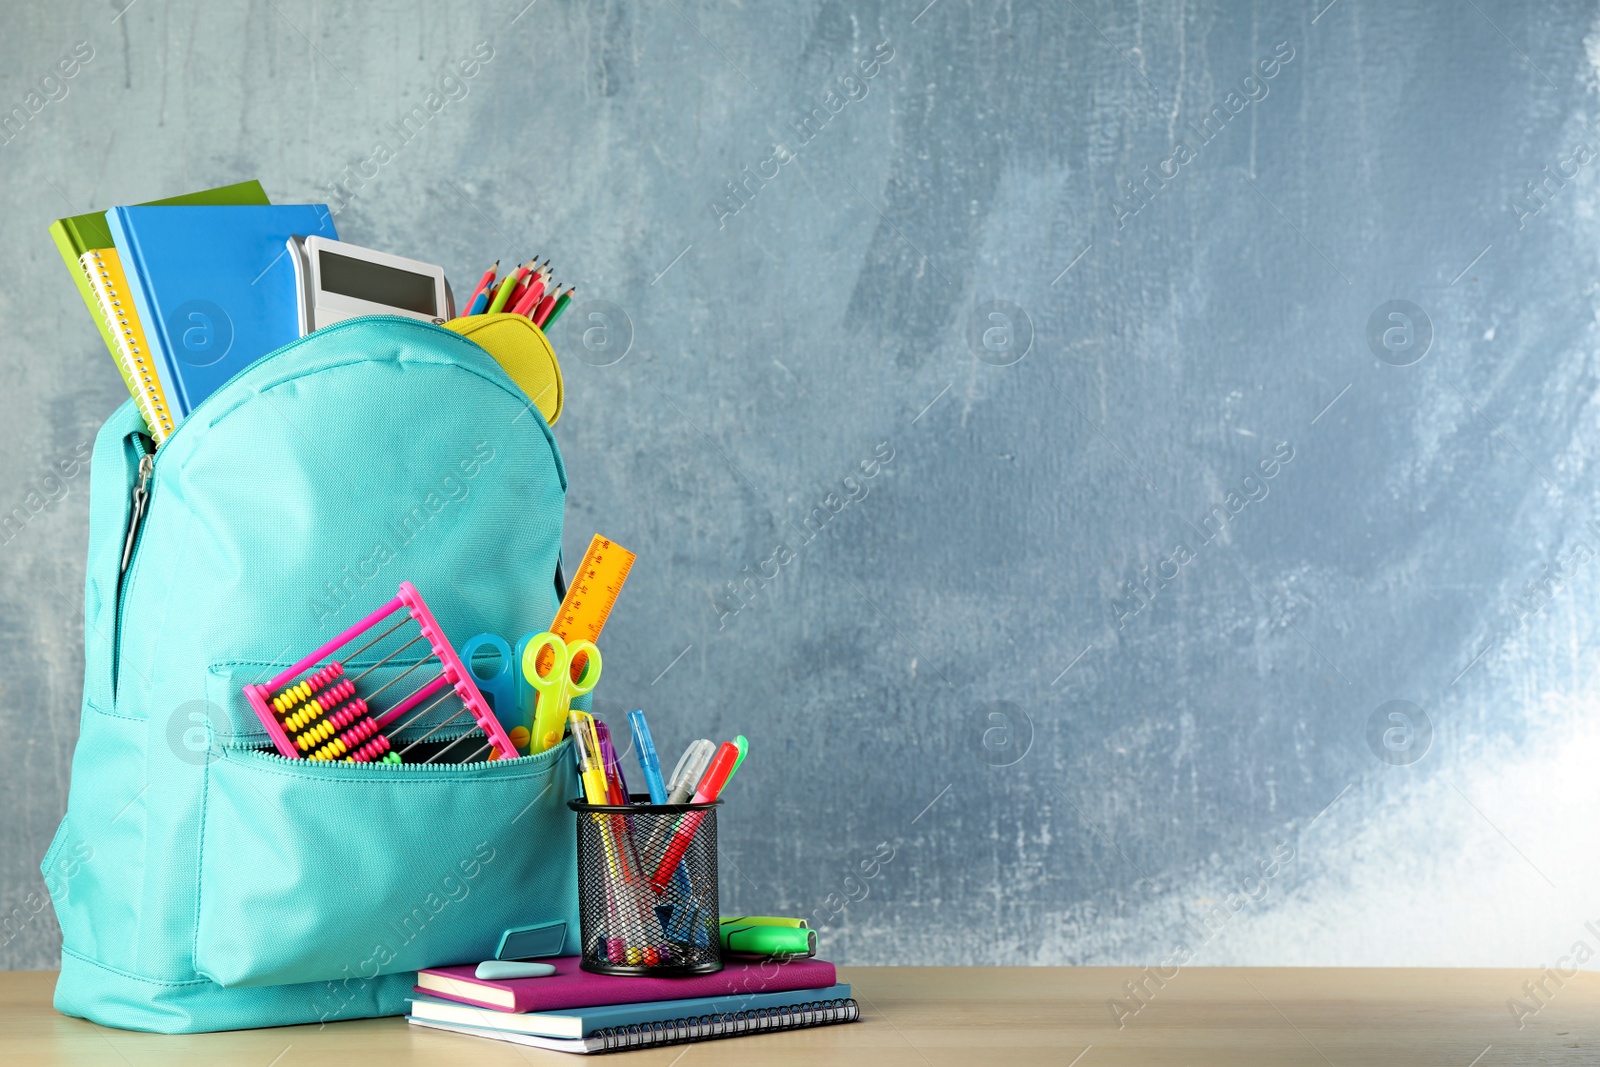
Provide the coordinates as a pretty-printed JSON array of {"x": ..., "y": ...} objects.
[
  {"x": 503, "y": 293},
  {"x": 561, "y": 305},
  {"x": 530, "y": 296},
  {"x": 542, "y": 312},
  {"x": 520, "y": 288},
  {"x": 483, "y": 287}
]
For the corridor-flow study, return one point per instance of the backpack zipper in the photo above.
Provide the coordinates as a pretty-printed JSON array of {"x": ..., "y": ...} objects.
[
  {"x": 141, "y": 500},
  {"x": 138, "y": 507},
  {"x": 403, "y": 768}
]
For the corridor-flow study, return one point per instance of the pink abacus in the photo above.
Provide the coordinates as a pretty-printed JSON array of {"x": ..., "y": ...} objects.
[{"x": 320, "y": 716}]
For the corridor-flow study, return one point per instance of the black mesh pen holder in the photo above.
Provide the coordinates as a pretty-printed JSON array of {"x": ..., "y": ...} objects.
[{"x": 647, "y": 888}]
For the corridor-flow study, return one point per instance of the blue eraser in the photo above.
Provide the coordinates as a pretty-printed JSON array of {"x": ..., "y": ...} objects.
[{"x": 492, "y": 969}]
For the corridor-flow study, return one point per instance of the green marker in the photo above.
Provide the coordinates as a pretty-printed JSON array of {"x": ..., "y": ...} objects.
[
  {"x": 761, "y": 920},
  {"x": 769, "y": 940},
  {"x": 743, "y": 746}
]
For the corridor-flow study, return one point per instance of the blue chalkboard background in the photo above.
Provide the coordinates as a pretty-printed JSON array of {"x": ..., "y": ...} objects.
[{"x": 1128, "y": 469}]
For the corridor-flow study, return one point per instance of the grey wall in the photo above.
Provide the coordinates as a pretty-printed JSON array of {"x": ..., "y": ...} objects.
[{"x": 955, "y": 670}]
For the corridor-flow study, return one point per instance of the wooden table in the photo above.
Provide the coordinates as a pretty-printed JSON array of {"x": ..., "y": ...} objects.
[{"x": 938, "y": 1016}]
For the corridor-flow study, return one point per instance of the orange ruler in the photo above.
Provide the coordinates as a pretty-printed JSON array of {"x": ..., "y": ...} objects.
[{"x": 591, "y": 594}]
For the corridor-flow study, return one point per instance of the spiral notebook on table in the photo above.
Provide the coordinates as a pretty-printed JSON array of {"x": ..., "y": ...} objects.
[
  {"x": 695, "y": 1025},
  {"x": 586, "y": 1022}
]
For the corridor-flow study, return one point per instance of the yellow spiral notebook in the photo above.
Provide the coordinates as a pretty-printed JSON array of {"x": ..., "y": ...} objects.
[
  {"x": 115, "y": 304},
  {"x": 79, "y": 234}
]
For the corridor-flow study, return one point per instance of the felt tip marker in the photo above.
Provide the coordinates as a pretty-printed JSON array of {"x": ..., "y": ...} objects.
[{"x": 645, "y": 748}]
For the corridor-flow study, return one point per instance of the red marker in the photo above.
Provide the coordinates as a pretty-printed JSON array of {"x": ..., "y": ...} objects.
[
  {"x": 714, "y": 781},
  {"x": 717, "y": 775}
]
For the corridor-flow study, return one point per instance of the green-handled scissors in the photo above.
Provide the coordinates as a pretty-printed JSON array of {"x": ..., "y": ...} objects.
[{"x": 556, "y": 688}]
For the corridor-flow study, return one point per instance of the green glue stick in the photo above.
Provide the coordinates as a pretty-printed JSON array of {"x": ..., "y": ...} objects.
[{"x": 769, "y": 940}]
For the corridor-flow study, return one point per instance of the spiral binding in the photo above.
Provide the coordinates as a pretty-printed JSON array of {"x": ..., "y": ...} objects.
[{"x": 728, "y": 1024}]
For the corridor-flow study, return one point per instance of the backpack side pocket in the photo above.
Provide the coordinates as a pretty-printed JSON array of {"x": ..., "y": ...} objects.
[
  {"x": 96, "y": 866},
  {"x": 114, "y": 469}
]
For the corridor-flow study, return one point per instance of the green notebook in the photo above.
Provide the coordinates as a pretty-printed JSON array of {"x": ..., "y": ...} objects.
[{"x": 86, "y": 233}]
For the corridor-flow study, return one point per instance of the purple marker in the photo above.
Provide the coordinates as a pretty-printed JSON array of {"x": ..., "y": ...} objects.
[{"x": 608, "y": 753}]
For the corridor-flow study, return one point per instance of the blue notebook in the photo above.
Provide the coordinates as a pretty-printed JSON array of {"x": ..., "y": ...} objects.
[
  {"x": 575, "y": 1023},
  {"x": 214, "y": 287}
]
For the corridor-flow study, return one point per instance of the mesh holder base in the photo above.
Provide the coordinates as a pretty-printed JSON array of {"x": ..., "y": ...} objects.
[{"x": 647, "y": 888}]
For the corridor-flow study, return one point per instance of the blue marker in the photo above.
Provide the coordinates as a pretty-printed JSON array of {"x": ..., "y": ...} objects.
[{"x": 645, "y": 749}]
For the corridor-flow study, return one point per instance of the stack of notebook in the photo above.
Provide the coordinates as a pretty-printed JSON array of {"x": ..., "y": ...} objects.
[
  {"x": 574, "y": 1011},
  {"x": 188, "y": 291}
]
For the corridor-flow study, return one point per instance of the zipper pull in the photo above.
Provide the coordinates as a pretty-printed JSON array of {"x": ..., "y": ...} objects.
[{"x": 141, "y": 500}]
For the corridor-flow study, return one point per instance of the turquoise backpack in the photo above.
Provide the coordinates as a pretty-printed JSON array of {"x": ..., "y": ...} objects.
[{"x": 203, "y": 882}]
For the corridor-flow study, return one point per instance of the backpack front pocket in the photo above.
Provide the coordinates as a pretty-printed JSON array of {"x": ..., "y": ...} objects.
[{"x": 339, "y": 872}]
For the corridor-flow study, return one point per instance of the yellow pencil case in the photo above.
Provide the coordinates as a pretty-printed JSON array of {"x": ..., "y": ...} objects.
[{"x": 524, "y": 351}]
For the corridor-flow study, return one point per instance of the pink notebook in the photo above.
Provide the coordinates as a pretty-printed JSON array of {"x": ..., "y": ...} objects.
[{"x": 571, "y": 987}]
